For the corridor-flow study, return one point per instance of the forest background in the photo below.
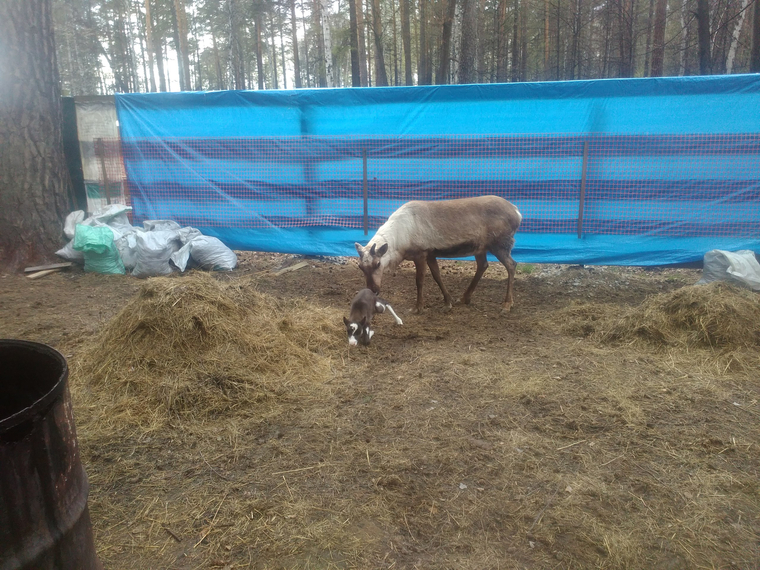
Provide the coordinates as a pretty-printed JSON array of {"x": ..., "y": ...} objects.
[{"x": 107, "y": 46}]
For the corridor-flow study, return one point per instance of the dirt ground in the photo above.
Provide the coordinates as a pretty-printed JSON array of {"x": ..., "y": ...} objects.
[{"x": 462, "y": 439}]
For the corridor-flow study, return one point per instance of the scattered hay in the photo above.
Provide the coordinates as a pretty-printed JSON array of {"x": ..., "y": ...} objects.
[
  {"x": 717, "y": 315},
  {"x": 195, "y": 346}
]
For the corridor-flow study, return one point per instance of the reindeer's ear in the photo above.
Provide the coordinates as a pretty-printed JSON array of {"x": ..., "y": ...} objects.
[
  {"x": 359, "y": 248},
  {"x": 372, "y": 251},
  {"x": 345, "y": 321},
  {"x": 383, "y": 249}
]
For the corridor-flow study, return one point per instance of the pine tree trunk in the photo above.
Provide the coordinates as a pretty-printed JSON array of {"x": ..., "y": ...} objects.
[
  {"x": 259, "y": 51},
  {"x": 754, "y": 57},
  {"x": 362, "y": 42},
  {"x": 703, "y": 36},
  {"x": 35, "y": 195},
  {"x": 448, "y": 23},
  {"x": 501, "y": 42},
  {"x": 276, "y": 82},
  {"x": 184, "y": 55},
  {"x": 217, "y": 61},
  {"x": 356, "y": 79},
  {"x": 658, "y": 39},
  {"x": 406, "y": 40},
  {"x": 381, "y": 77},
  {"x": 422, "y": 66},
  {"x": 516, "y": 41},
  {"x": 282, "y": 54},
  {"x": 327, "y": 38},
  {"x": 467, "y": 71},
  {"x": 648, "y": 50},
  {"x": 294, "y": 32},
  {"x": 735, "y": 38}
]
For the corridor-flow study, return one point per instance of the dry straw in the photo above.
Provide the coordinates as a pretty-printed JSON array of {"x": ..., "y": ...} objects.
[
  {"x": 718, "y": 315},
  {"x": 197, "y": 346}
]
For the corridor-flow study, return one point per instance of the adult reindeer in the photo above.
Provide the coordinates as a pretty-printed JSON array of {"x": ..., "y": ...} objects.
[{"x": 423, "y": 231}]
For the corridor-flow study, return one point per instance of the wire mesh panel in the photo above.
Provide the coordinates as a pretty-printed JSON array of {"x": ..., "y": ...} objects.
[
  {"x": 623, "y": 171},
  {"x": 670, "y": 185}
]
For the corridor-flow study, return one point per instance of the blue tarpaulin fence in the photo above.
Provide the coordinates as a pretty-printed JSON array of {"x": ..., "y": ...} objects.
[{"x": 670, "y": 166}]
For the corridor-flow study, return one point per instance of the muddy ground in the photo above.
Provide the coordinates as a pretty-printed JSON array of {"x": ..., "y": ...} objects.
[{"x": 462, "y": 439}]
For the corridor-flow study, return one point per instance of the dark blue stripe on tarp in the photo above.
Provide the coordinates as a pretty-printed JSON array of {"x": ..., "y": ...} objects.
[
  {"x": 693, "y": 191},
  {"x": 316, "y": 149}
]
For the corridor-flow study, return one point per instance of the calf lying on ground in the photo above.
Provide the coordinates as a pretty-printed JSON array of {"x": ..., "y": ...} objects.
[{"x": 363, "y": 308}]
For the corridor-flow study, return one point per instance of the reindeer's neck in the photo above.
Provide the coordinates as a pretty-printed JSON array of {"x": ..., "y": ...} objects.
[{"x": 387, "y": 234}]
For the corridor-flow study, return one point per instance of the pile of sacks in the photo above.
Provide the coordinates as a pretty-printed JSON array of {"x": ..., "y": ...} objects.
[{"x": 107, "y": 243}]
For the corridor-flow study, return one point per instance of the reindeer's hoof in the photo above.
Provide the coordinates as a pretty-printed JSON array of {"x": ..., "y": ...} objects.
[
  {"x": 447, "y": 308},
  {"x": 416, "y": 310},
  {"x": 463, "y": 301},
  {"x": 506, "y": 309}
]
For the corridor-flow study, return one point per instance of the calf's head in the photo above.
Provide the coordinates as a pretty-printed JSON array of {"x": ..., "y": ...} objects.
[
  {"x": 358, "y": 333},
  {"x": 371, "y": 264}
]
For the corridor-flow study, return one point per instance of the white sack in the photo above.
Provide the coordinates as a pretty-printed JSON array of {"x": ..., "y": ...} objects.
[
  {"x": 739, "y": 267},
  {"x": 207, "y": 252},
  {"x": 70, "y": 225},
  {"x": 153, "y": 252}
]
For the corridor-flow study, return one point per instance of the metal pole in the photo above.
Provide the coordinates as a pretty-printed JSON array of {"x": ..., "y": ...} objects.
[
  {"x": 364, "y": 191},
  {"x": 582, "y": 199}
]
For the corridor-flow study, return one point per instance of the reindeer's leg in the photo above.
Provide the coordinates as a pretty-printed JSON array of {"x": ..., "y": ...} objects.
[
  {"x": 436, "y": 272},
  {"x": 482, "y": 265},
  {"x": 419, "y": 265},
  {"x": 503, "y": 254}
]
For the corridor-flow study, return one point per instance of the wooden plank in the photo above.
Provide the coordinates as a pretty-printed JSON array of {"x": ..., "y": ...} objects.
[
  {"x": 292, "y": 268},
  {"x": 43, "y": 273},
  {"x": 50, "y": 266}
]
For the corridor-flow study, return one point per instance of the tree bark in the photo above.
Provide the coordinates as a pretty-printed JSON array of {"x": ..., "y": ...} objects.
[
  {"x": 516, "y": 41},
  {"x": 703, "y": 35},
  {"x": 501, "y": 42},
  {"x": 381, "y": 76},
  {"x": 259, "y": 55},
  {"x": 406, "y": 39},
  {"x": 754, "y": 58},
  {"x": 35, "y": 195},
  {"x": 184, "y": 55},
  {"x": 735, "y": 38},
  {"x": 658, "y": 40},
  {"x": 275, "y": 77},
  {"x": 467, "y": 71},
  {"x": 296, "y": 58},
  {"x": 448, "y": 22},
  {"x": 362, "y": 42},
  {"x": 356, "y": 78},
  {"x": 424, "y": 68}
]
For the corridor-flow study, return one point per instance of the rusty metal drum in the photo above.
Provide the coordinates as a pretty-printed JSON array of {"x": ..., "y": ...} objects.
[{"x": 44, "y": 519}]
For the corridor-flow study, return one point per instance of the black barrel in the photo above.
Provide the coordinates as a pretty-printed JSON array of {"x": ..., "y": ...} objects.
[{"x": 44, "y": 520}]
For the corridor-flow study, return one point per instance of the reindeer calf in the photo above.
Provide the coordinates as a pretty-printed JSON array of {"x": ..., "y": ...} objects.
[{"x": 364, "y": 306}]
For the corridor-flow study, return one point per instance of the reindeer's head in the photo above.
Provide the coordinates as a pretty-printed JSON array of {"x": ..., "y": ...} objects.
[
  {"x": 358, "y": 333},
  {"x": 371, "y": 264}
]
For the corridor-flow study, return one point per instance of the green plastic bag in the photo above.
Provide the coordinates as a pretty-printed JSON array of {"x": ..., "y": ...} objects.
[{"x": 100, "y": 253}]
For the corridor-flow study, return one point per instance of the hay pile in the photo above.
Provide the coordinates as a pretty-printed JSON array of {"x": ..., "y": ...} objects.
[
  {"x": 195, "y": 346},
  {"x": 717, "y": 315}
]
